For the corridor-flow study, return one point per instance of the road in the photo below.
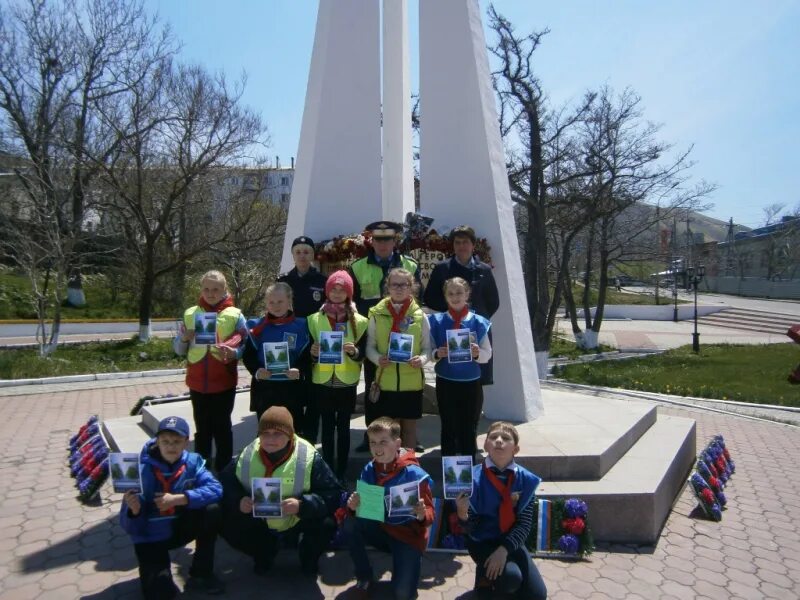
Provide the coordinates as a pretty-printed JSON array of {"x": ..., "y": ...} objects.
[{"x": 73, "y": 332}]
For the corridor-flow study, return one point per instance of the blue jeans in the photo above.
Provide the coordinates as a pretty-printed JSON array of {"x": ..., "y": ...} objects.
[
  {"x": 519, "y": 578},
  {"x": 406, "y": 560}
]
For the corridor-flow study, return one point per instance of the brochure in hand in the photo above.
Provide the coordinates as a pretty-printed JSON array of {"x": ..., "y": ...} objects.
[
  {"x": 370, "y": 504},
  {"x": 403, "y": 498},
  {"x": 331, "y": 347},
  {"x": 205, "y": 328},
  {"x": 401, "y": 346},
  {"x": 266, "y": 496},
  {"x": 458, "y": 348},
  {"x": 457, "y": 476},
  {"x": 276, "y": 356},
  {"x": 124, "y": 467}
]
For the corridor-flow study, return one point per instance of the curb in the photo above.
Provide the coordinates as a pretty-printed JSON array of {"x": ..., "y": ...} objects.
[{"x": 90, "y": 377}]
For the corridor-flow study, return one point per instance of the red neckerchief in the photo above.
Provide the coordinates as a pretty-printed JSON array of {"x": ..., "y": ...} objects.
[
  {"x": 457, "y": 317},
  {"x": 270, "y": 320},
  {"x": 269, "y": 466},
  {"x": 226, "y": 302},
  {"x": 166, "y": 484},
  {"x": 336, "y": 311},
  {"x": 398, "y": 317},
  {"x": 507, "y": 516}
]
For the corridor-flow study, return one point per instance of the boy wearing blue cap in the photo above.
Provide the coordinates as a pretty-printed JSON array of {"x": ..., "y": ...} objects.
[{"x": 177, "y": 504}]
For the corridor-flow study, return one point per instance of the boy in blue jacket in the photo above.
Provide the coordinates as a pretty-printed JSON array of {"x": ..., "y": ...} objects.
[
  {"x": 404, "y": 537},
  {"x": 498, "y": 517},
  {"x": 177, "y": 504}
]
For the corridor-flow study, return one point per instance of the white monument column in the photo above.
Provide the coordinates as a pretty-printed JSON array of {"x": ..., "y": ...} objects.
[
  {"x": 337, "y": 183},
  {"x": 398, "y": 171},
  {"x": 463, "y": 180}
]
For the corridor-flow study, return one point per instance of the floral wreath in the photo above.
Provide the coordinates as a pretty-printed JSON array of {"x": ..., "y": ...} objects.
[
  {"x": 713, "y": 469},
  {"x": 418, "y": 235}
]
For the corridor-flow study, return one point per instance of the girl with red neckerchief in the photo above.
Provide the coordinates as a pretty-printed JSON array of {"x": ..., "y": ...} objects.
[
  {"x": 277, "y": 387},
  {"x": 458, "y": 382},
  {"x": 401, "y": 381},
  {"x": 212, "y": 369}
]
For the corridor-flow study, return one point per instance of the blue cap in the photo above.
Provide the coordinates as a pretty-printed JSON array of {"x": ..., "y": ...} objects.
[{"x": 174, "y": 424}]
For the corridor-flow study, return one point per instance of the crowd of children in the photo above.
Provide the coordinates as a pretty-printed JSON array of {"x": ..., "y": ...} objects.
[{"x": 300, "y": 368}]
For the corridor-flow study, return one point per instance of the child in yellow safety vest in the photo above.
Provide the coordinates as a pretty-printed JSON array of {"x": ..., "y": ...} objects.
[
  {"x": 211, "y": 333},
  {"x": 337, "y": 351}
]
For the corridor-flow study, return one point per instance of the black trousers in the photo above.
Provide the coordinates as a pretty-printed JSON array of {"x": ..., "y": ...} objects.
[
  {"x": 251, "y": 536},
  {"x": 457, "y": 402},
  {"x": 370, "y": 412},
  {"x": 336, "y": 407},
  {"x": 266, "y": 394},
  {"x": 155, "y": 574},
  {"x": 310, "y": 424},
  {"x": 519, "y": 578},
  {"x": 212, "y": 421}
]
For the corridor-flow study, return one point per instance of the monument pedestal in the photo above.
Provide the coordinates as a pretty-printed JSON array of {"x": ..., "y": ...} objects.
[{"x": 627, "y": 462}]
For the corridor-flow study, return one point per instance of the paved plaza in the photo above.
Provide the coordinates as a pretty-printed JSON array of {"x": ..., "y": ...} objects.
[{"x": 51, "y": 546}]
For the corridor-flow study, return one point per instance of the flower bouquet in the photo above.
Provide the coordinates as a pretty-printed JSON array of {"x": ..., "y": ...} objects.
[
  {"x": 88, "y": 460},
  {"x": 560, "y": 528}
]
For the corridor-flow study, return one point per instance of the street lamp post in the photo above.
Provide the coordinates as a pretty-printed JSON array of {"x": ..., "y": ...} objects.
[
  {"x": 674, "y": 272},
  {"x": 694, "y": 279}
]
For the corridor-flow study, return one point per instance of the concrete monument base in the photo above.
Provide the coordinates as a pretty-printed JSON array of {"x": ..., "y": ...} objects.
[{"x": 623, "y": 459}]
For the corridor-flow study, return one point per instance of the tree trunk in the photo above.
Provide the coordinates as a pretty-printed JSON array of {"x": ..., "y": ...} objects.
[{"x": 146, "y": 299}]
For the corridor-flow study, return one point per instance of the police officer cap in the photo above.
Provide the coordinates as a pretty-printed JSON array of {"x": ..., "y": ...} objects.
[
  {"x": 384, "y": 229},
  {"x": 304, "y": 240}
]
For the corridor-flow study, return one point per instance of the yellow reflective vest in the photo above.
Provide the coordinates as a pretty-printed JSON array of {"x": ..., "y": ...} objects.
[
  {"x": 398, "y": 377},
  {"x": 369, "y": 275},
  {"x": 226, "y": 326},
  {"x": 349, "y": 371},
  {"x": 295, "y": 475}
]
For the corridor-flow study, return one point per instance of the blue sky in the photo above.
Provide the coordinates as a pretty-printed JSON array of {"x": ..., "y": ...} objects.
[{"x": 724, "y": 76}]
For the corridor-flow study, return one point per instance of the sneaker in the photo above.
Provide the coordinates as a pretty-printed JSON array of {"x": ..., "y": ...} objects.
[
  {"x": 419, "y": 448},
  {"x": 209, "y": 584},
  {"x": 362, "y": 589}
]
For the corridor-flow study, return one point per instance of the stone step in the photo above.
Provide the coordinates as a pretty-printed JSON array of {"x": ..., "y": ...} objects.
[
  {"x": 747, "y": 323},
  {"x": 632, "y": 501}
]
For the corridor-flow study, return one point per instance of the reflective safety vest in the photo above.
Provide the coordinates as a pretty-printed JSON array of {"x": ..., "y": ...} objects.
[
  {"x": 398, "y": 377},
  {"x": 295, "y": 475},
  {"x": 349, "y": 371},
  {"x": 226, "y": 326},
  {"x": 370, "y": 275}
]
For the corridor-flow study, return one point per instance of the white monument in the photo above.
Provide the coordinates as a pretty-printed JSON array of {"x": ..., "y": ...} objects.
[{"x": 339, "y": 184}]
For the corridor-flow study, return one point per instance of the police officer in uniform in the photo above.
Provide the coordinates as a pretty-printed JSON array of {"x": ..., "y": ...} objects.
[
  {"x": 308, "y": 284},
  {"x": 369, "y": 274},
  {"x": 308, "y": 289}
]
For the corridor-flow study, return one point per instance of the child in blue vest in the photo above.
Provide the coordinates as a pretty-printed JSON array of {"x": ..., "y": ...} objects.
[
  {"x": 498, "y": 518},
  {"x": 279, "y": 388},
  {"x": 404, "y": 537},
  {"x": 177, "y": 504},
  {"x": 458, "y": 384}
]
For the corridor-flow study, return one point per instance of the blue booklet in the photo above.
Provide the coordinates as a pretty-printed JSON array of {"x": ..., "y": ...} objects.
[
  {"x": 401, "y": 346},
  {"x": 124, "y": 468},
  {"x": 457, "y": 475},
  {"x": 403, "y": 498},
  {"x": 458, "y": 346},
  {"x": 266, "y": 496},
  {"x": 276, "y": 356},
  {"x": 331, "y": 347},
  {"x": 205, "y": 328}
]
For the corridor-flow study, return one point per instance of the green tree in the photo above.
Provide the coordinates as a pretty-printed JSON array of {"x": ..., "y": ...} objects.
[
  {"x": 465, "y": 476},
  {"x": 450, "y": 475},
  {"x": 258, "y": 494}
]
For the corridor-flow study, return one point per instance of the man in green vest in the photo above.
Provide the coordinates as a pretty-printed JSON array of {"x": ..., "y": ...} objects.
[
  {"x": 310, "y": 493},
  {"x": 369, "y": 274}
]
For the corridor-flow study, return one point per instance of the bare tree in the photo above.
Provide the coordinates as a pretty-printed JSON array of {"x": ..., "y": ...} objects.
[
  {"x": 541, "y": 166},
  {"x": 174, "y": 127},
  {"x": 630, "y": 167},
  {"x": 58, "y": 62}
]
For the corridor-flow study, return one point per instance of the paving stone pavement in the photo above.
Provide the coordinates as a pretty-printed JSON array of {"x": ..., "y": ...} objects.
[{"x": 51, "y": 546}]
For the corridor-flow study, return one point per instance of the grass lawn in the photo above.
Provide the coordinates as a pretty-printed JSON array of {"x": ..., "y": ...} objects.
[
  {"x": 726, "y": 371},
  {"x": 107, "y": 357},
  {"x": 567, "y": 348}
]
